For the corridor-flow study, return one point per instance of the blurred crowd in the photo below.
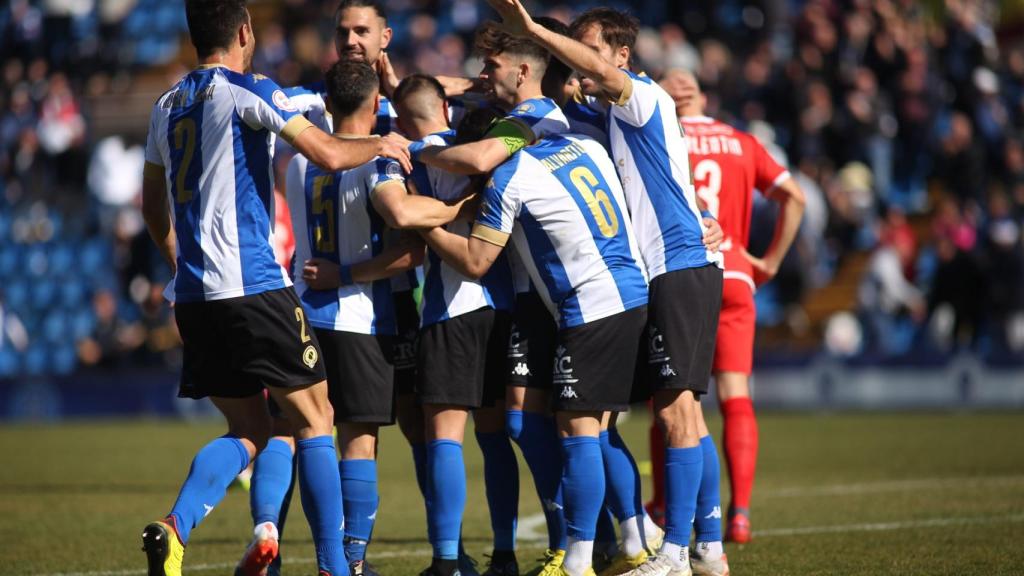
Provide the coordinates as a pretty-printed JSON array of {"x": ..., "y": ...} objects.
[{"x": 903, "y": 122}]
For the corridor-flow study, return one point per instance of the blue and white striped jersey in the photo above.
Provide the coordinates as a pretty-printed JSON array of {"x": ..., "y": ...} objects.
[
  {"x": 587, "y": 117},
  {"x": 537, "y": 118},
  {"x": 650, "y": 154},
  {"x": 446, "y": 292},
  {"x": 333, "y": 218},
  {"x": 213, "y": 134},
  {"x": 561, "y": 203}
]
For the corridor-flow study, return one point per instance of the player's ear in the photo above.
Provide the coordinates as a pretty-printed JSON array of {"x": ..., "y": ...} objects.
[
  {"x": 622, "y": 57},
  {"x": 245, "y": 31},
  {"x": 385, "y": 37},
  {"x": 524, "y": 73},
  {"x": 444, "y": 109}
]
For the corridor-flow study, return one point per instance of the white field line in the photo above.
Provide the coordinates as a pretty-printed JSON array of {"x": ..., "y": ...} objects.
[
  {"x": 531, "y": 528},
  {"x": 766, "y": 533},
  {"x": 892, "y": 486}
]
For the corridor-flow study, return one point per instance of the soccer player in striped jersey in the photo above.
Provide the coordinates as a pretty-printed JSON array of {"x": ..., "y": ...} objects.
[
  {"x": 341, "y": 270},
  {"x": 560, "y": 203},
  {"x": 686, "y": 278},
  {"x": 512, "y": 78},
  {"x": 461, "y": 358},
  {"x": 207, "y": 202},
  {"x": 728, "y": 166}
]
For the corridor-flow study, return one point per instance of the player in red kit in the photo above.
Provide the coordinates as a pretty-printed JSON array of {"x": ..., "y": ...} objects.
[{"x": 728, "y": 165}]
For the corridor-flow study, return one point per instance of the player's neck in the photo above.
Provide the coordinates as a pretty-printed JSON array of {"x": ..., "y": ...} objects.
[
  {"x": 423, "y": 128},
  {"x": 232, "y": 60},
  {"x": 528, "y": 92},
  {"x": 352, "y": 127}
]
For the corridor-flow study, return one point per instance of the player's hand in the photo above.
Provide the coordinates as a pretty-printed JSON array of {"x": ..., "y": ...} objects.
[
  {"x": 396, "y": 146},
  {"x": 764, "y": 270},
  {"x": 713, "y": 236},
  {"x": 515, "y": 19},
  {"x": 389, "y": 80},
  {"x": 469, "y": 205},
  {"x": 320, "y": 274}
]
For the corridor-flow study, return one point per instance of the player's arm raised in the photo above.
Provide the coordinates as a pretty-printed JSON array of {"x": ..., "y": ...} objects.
[
  {"x": 157, "y": 214},
  {"x": 516, "y": 20},
  {"x": 472, "y": 256},
  {"x": 402, "y": 210},
  {"x": 321, "y": 274},
  {"x": 791, "y": 210}
]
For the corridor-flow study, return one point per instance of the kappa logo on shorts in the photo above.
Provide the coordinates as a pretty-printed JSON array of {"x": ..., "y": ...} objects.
[
  {"x": 310, "y": 356},
  {"x": 569, "y": 392},
  {"x": 521, "y": 369}
]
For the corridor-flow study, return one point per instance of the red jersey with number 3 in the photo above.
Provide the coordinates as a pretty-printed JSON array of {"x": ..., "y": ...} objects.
[{"x": 728, "y": 165}]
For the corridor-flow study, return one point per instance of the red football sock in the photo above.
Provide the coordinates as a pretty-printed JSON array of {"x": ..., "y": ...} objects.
[
  {"x": 657, "y": 437},
  {"x": 739, "y": 438}
]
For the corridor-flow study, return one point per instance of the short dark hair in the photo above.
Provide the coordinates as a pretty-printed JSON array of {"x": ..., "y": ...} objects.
[
  {"x": 476, "y": 123},
  {"x": 618, "y": 28},
  {"x": 212, "y": 24},
  {"x": 414, "y": 83},
  {"x": 349, "y": 85},
  {"x": 490, "y": 40},
  {"x": 557, "y": 70},
  {"x": 378, "y": 7}
]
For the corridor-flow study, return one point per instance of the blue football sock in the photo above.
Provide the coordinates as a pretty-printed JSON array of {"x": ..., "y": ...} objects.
[
  {"x": 622, "y": 476},
  {"x": 359, "y": 488},
  {"x": 419, "y": 462},
  {"x": 582, "y": 485},
  {"x": 212, "y": 471},
  {"x": 708, "y": 520},
  {"x": 271, "y": 477},
  {"x": 606, "y": 527},
  {"x": 446, "y": 474},
  {"x": 514, "y": 423},
  {"x": 282, "y": 516},
  {"x": 320, "y": 490},
  {"x": 683, "y": 468},
  {"x": 538, "y": 440},
  {"x": 501, "y": 483}
]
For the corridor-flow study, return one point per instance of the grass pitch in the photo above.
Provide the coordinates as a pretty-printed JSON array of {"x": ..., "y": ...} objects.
[{"x": 835, "y": 494}]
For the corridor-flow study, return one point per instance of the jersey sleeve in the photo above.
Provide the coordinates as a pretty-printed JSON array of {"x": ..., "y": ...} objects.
[
  {"x": 768, "y": 173},
  {"x": 155, "y": 162},
  {"x": 638, "y": 100},
  {"x": 263, "y": 104},
  {"x": 385, "y": 170},
  {"x": 499, "y": 207}
]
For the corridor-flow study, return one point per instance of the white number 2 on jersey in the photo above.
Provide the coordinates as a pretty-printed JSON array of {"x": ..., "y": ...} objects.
[{"x": 707, "y": 175}]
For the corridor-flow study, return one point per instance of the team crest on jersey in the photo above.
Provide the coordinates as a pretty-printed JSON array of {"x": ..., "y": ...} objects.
[
  {"x": 393, "y": 170},
  {"x": 310, "y": 356},
  {"x": 282, "y": 101},
  {"x": 258, "y": 77},
  {"x": 525, "y": 108}
]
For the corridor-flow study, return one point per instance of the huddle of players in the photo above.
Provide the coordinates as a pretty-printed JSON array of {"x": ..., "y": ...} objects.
[{"x": 595, "y": 267}]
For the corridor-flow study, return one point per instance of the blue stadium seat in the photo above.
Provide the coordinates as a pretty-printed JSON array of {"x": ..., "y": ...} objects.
[
  {"x": 16, "y": 294},
  {"x": 65, "y": 358},
  {"x": 44, "y": 294},
  {"x": 82, "y": 323},
  {"x": 10, "y": 362},
  {"x": 37, "y": 360},
  {"x": 55, "y": 327}
]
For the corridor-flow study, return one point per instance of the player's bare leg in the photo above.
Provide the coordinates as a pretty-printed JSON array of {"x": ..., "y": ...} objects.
[
  {"x": 312, "y": 418},
  {"x": 677, "y": 413},
  {"x": 212, "y": 471},
  {"x": 740, "y": 444},
  {"x": 357, "y": 444}
]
